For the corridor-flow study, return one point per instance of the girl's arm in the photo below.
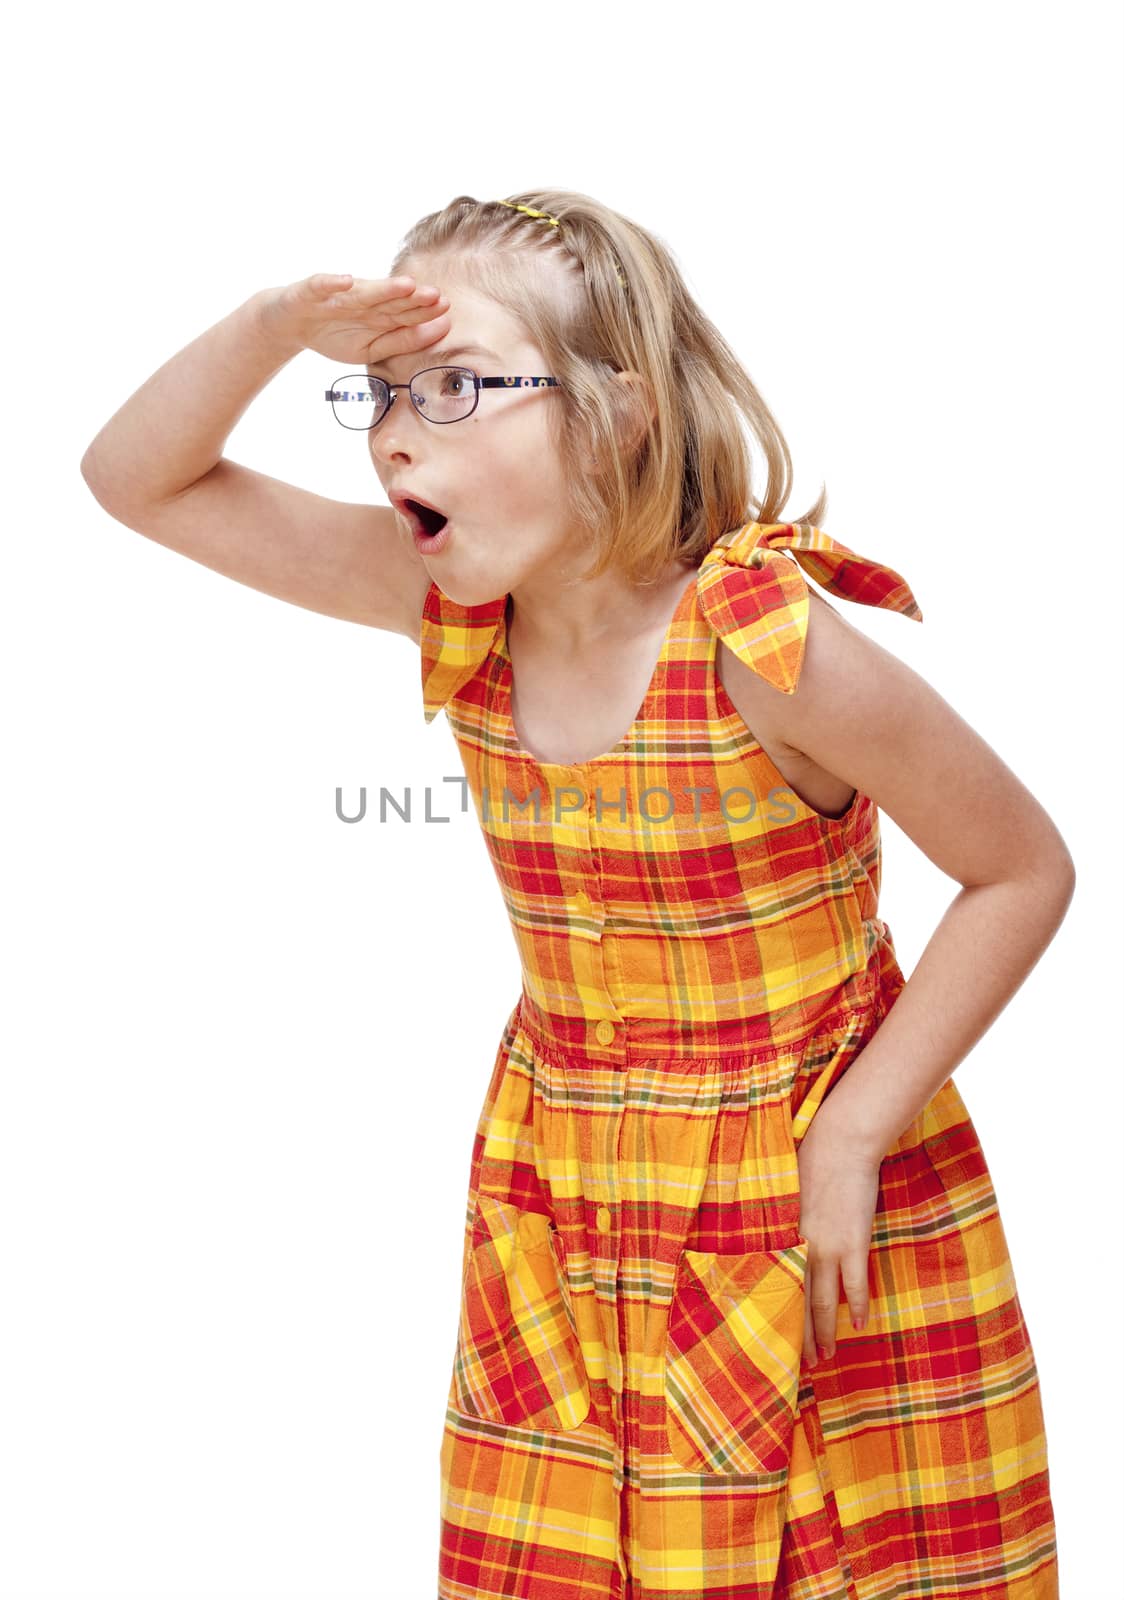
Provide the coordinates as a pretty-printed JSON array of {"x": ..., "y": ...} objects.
[
  {"x": 869, "y": 719},
  {"x": 157, "y": 465}
]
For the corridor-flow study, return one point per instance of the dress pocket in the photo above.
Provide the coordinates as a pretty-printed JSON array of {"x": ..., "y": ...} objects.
[
  {"x": 735, "y": 1338},
  {"x": 518, "y": 1358}
]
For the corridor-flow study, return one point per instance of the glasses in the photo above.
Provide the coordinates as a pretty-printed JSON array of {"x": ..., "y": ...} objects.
[{"x": 440, "y": 394}]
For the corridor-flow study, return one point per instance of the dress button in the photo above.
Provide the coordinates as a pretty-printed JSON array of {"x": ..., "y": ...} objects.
[
  {"x": 582, "y": 902},
  {"x": 605, "y": 1032},
  {"x": 604, "y": 1220}
]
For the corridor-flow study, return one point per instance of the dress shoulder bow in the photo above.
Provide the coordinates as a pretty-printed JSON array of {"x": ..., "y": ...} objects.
[
  {"x": 753, "y": 591},
  {"x": 455, "y": 639}
]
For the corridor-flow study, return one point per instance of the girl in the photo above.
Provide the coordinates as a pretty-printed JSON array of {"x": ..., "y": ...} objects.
[{"x": 737, "y": 1312}]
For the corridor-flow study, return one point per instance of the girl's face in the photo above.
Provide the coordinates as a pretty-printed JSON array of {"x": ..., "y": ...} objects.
[{"x": 495, "y": 474}]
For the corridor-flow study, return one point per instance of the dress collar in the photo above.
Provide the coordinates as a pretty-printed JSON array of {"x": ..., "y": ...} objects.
[{"x": 751, "y": 590}]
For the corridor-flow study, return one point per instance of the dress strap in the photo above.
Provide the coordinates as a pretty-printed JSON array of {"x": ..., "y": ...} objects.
[
  {"x": 455, "y": 639},
  {"x": 754, "y": 594}
]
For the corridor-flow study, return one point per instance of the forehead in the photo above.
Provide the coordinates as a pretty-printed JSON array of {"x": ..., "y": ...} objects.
[{"x": 463, "y": 351}]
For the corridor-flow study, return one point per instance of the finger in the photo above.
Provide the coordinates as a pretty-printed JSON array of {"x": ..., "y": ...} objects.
[
  {"x": 428, "y": 333},
  {"x": 416, "y": 314},
  {"x": 809, "y": 1326},
  {"x": 825, "y": 1306},
  {"x": 402, "y": 313},
  {"x": 321, "y": 285},
  {"x": 395, "y": 296},
  {"x": 370, "y": 291},
  {"x": 407, "y": 341},
  {"x": 415, "y": 333},
  {"x": 387, "y": 318},
  {"x": 857, "y": 1292}
]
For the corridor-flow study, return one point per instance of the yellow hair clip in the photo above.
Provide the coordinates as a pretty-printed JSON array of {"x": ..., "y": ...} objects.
[
  {"x": 531, "y": 212},
  {"x": 554, "y": 223}
]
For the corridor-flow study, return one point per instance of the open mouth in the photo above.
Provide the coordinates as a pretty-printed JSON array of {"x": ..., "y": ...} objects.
[{"x": 431, "y": 521}]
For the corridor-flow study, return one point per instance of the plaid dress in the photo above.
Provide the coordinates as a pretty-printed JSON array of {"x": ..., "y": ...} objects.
[{"x": 702, "y": 960}]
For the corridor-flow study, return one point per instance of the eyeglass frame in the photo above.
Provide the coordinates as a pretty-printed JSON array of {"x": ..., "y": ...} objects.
[{"x": 478, "y": 383}]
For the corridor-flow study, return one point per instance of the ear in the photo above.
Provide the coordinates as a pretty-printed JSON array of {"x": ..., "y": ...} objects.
[{"x": 641, "y": 401}]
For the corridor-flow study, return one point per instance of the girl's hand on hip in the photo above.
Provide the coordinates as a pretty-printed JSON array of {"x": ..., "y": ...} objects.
[{"x": 838, "y": 1199}]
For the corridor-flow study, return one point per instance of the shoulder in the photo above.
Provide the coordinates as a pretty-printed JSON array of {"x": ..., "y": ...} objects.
[
  {"x": 791, "y": 663},
  {"x": 775, "y": 716},
  {"x": 753, "y": 589}
]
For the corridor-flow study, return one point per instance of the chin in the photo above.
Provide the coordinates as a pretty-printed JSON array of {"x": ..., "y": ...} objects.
[
  {"x": 463, "y": 594},
  {"x": 466, "y": 588}
]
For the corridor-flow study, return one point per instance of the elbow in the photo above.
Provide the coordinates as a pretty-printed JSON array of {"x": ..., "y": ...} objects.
[
  {"x": 1051, "y": 868},
  {"x": 1061, "y": 868},
  {"x": 96, "y": 481},
  {"x": 89, "y": 473},
  {"x": 1054, "y": 881}
]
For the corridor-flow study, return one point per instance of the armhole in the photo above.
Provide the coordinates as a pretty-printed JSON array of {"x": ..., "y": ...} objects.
[{"x": 720, "y": 697}]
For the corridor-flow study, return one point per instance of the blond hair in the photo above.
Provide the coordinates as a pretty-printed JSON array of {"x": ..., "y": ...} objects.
[{"x": 656, "y": 474}]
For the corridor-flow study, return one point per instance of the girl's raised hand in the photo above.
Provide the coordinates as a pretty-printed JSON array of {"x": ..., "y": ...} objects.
[{"x": 355, "y": 320}]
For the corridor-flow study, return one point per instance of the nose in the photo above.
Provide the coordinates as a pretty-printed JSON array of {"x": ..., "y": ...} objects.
[{"x": 398, "y": 429}]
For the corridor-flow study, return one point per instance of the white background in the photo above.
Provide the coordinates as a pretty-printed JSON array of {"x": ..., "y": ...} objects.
[{"x": 245, "y": 1044}]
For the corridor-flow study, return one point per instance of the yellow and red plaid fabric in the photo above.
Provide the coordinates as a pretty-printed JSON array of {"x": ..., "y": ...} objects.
[{"x": 702, "y": 959}]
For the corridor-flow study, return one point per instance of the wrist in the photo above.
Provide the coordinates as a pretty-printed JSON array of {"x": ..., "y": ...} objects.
[
  {"x": 849, "y": 1128},
  {"x": 259, "y": 313}
]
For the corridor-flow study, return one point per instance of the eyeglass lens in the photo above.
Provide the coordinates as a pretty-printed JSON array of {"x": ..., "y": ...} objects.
[{"x": 441, "y": 394}]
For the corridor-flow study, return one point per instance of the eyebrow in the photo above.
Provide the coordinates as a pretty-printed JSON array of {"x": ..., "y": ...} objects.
[{"x": 436, "y": 358}]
